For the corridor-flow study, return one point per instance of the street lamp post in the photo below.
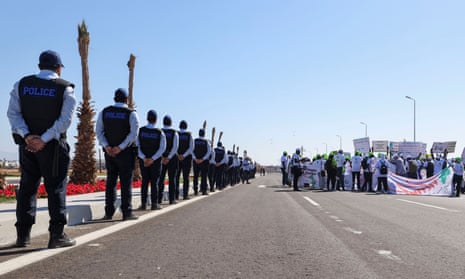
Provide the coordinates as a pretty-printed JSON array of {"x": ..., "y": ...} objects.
[
  {"x": 326, "y": 147},
  {"x": 340, "y": 141},
  {"x": 414, "y": 117},
  {"x": 363, "y": 123}
]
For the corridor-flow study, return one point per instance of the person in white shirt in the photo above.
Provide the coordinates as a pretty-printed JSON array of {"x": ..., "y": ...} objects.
[
  {"x": 382, "y": 166},
  {"x": 457, "y": 167},
  {"x": 340, "y": 161},
  {"x": 296, "y": 168},
  {"x": 284, "y": 165},
  {"x": 320, "y": 170},
  {"x": 440, "y": 163},
  {"x": 356, "y": 164}
]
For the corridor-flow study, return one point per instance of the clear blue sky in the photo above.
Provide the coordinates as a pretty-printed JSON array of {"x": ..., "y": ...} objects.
[{"x": 271, "y": 74}]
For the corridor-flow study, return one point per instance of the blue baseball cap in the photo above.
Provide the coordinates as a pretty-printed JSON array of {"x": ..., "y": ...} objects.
[
  {"x": 50, "y": 58},
  {"x": 121, "y": 93},
  {"x": 152, "y": 115}
]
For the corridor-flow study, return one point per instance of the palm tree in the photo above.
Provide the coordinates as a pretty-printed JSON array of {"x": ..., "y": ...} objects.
[
  {"x": 84, "y": 167},
  {"x": 131, "y": 64}
]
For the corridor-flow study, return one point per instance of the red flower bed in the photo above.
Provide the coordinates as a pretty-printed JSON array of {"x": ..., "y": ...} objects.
[
  {"x": 8, "y": 192},
  {"x": 72, "y": 189}
]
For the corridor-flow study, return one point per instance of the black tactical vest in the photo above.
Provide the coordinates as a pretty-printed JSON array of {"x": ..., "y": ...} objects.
[
  {"x": 184, "y": 142},
  {"x": 149, "y": 140},
  {"x": 169, "y": 134},
  {"x": 219, "y": 154},
  {"x": 41, "y": 101},
  {"x": 116, "y": 124},
  {"x": 200, "y": 148},
  {"x": 230, "y": 160}
]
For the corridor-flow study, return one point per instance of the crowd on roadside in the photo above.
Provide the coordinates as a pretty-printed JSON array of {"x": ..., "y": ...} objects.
[{"x": 367, "y": 172}]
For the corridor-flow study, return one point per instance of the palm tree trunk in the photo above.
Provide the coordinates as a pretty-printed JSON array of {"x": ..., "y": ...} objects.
[{"x": 131, "y": 65}]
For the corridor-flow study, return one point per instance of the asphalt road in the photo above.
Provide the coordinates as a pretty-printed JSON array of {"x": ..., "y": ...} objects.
[{"x": 262, "y": 230}]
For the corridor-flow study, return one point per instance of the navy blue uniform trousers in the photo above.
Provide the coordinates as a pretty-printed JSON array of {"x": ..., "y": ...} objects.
[
  {"x": 122, "y": 166},
  {"x": 150, "y": 175},
  {"x": 184, "y": 168},
  {"x": 52, "y": 164}
]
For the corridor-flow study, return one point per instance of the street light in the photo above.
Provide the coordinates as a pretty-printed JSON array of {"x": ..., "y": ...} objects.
[
  {"x": 363, "y": 123},
  {"x": 326, "y": 147},
  {"x": 340, "y": 141},
  {"x": 414, "y": 117}
]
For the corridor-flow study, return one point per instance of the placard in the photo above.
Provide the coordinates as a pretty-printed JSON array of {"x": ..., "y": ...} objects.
[
  {"x": 362, "y": 145},
  {"x": 380, "y": 145},
  {"x": 412, "y": 149}
]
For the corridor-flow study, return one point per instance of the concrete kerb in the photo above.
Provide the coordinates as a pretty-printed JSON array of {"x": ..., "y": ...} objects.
[{"x": 80, "y": 209}]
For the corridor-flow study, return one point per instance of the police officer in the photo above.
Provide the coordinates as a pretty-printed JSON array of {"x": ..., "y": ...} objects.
[
  {"x": 116, "y": 130},
  {"x": 151, "y": 144},
  {"x": 235, "y": 169},
  {"x": 169, "y": 161},
  {"x": 211, "y": 170},
  {"x": 221, "y": 159},
  {"x": 40, "y": 111},
  {"x": 185, "y": 149},
  {"x": 201, "y": 154},
  {"x": 246, "y": 169}
]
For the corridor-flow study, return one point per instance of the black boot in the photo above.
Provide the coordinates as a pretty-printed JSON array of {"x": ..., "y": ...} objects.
[
  {"x": 23, "y": 236},
  {"x": 60, "y": 240}
]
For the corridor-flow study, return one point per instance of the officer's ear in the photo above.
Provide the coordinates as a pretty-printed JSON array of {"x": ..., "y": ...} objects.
[{"x": 58, "y": 70}]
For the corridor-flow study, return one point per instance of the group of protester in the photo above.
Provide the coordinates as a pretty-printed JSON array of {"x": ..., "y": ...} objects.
[{"x": 331, "y": 169}]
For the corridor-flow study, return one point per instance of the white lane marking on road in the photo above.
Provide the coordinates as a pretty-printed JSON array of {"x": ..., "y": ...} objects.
[
  {"x": 312, "y": 201},
  {"x": 335, "y": 218},
  {"x": 429, "y": 205},
  {"x": 388, "y": 255},
  {"x": 352, "y": 230},
  {"x": 261, "y": 186}
]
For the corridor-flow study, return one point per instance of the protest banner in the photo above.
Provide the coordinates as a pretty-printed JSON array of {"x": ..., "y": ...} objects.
[
  {"x": 380, "y": 145},
  {"x": 412, "y": 149},
  {"x": 439, "y": 147},
  {"x": 437, "y": 185},
  {"x": 362, "y": 145}
]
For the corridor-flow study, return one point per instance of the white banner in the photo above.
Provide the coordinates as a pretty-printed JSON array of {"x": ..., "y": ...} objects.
[
  {"x": 380, "y": 145},
  {"x": 362, "y": 145},
  {"x": 437, "y": 185},
  {"x": 412, "y": 149},
  {"x": 439, "y": 147}
]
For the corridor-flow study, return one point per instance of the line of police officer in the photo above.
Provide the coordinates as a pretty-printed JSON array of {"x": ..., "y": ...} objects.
[
  {"x": 213, "y": 167},
  {"x": 160, "y": 152},
  {"x": 40, "y": 112}
]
